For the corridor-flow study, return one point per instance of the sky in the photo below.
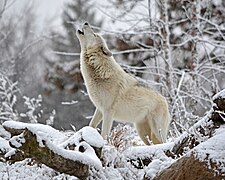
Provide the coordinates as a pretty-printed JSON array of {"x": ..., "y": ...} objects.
[
  {"x": 46, "y": 10},
  {"x": 50, "y": 9},
  {"x": 49, "y": 12}
]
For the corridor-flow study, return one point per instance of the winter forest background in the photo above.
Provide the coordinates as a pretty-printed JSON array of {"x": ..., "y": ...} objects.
[{"x": 176, "y": 46}]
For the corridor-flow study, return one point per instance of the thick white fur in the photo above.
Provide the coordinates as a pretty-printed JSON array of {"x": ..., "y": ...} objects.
[{"x": 117, "y": 95}]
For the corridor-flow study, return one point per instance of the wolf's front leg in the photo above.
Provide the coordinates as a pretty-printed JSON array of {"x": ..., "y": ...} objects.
[
  {"x": 106, "y": 123},
  {"x": 96, "y": 119}
]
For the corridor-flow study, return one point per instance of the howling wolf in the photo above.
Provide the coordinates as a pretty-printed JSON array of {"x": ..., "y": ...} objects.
[{"x": 117, "y": 95}]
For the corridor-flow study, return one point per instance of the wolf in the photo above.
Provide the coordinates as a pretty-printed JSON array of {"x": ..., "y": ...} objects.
[{"x": 116, "y": 94}]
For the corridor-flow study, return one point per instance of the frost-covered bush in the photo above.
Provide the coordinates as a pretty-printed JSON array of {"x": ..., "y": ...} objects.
[
  {"x": 123, "y": 136},
  {"x": 32, "y": 105},
  {"x": 34, "y": 110},
  {"x": 9, "y": 93},
  {"x": 8, "y": 98}
]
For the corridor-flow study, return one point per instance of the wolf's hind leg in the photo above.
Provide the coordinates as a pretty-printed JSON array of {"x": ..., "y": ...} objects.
[
  {"x": 144, "y": 131},
  {"x": 154, "y": 139},
  {"x": 96, "y": 119},
  {"x": 106, "y": 123}
]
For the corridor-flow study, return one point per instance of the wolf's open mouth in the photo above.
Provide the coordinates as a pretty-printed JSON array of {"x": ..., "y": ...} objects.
[{"x": 80, "y": 32}]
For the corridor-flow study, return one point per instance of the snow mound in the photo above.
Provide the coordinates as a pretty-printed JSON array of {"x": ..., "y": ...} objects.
[
  {"x": 87, "y": 134},
  {"x": 144, "y": 151},
  {"x": 87, "y": 150}
]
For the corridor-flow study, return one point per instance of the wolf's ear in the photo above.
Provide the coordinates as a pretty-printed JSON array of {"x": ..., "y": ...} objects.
[{"x": 106, "y": 51}]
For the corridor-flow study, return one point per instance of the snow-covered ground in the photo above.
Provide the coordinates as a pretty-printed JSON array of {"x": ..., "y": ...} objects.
[
  {"x": 116, "y": 162},
  {"x": 122, "y": 155}
]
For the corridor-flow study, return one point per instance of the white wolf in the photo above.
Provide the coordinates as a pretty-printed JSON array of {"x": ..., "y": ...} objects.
[{"x": 117, "y": 95}]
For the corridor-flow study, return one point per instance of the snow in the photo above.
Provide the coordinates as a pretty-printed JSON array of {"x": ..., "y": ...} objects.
[
  {"x": 45, "y": 131},
  {"x": 17, "y": 141},
  {"x": 4, "y": 145},
  {"x": 92, "y": 137},
  {"x": 144, "y": 151},
  {"x": 69, "y": 103},
  {"x": 6, "y": 149},
  {"x": 177, "y": 31},
  {"x": 25, "y": 170},
  {"x": 88, "y": 134},
  {"x": 89, "y": 151},
  {"x": 73, "y": 155},
  {"x": 116, "y": 162},
  {"x": 10, "y": 153},
  {"x": 159, "y": 160},
  {"x": 203, "y": 122},
  {"x": 212, "y": 150},
  {"x": 157, "y": 165},
  {"x": 220, "y": 94}
]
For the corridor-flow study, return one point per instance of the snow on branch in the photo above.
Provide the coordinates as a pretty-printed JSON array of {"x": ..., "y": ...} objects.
[
  {"x": 8, "y": 99},
  {"x": 114, "y": 53}
]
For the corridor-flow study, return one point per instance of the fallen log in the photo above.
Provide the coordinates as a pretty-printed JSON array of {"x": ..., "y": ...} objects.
[
  {"x": 32, "y": 141},
  {"x": 47, "y": 156}
]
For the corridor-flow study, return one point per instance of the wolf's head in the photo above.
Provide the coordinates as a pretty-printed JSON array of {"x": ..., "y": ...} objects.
[{"x": 89, "y": 40}]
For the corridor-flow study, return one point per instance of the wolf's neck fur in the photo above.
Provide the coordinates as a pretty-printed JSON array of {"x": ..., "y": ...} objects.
[
  {"x": 95, "y": 66},
  {"x": 98, "y": 66}
]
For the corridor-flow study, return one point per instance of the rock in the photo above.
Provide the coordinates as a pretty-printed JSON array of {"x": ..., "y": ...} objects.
[
  {"x": 205, "y": 161},
  {"x": 188, "y": 168}
]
